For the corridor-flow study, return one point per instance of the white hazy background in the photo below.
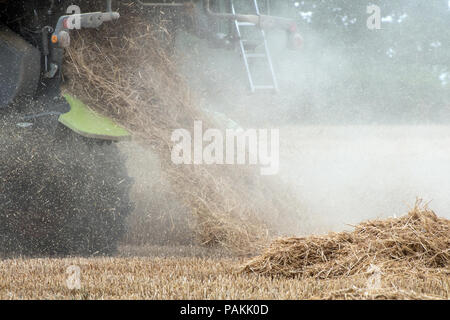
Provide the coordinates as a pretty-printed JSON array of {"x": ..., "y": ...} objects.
[
  {"x": 346, "y": 174},
  {"x": 342, "y": 172}
]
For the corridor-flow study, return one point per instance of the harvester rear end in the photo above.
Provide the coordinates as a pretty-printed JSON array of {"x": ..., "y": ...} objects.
[{"x": 64, "y": 188}]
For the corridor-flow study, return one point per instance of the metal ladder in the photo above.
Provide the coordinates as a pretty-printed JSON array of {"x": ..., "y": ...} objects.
[{"x": 247, "y": 56}]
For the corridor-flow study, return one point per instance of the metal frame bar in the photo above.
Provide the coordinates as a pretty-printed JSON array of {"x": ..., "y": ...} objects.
[{"x": 161, "y": 4}]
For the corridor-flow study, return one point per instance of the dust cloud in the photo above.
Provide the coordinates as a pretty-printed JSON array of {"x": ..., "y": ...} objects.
[
  {"x": 358, "y": 139},
  {"x": 349, "y": 151},
  {"x": 347, "y": 174}
]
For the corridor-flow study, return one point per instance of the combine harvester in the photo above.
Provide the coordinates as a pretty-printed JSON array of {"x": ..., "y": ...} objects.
[{"x": 64, "y": 189}]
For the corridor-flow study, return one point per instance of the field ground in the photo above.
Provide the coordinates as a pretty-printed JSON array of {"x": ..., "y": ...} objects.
[{"x": 180, "y": 277}]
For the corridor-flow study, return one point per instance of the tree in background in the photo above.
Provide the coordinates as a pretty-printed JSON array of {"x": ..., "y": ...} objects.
[{"x": 401, "y": 69}]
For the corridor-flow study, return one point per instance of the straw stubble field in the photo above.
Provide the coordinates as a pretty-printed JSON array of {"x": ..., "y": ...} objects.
[
  {"x": 398, "y": 258},
  {"x": 194, "y": 278}
]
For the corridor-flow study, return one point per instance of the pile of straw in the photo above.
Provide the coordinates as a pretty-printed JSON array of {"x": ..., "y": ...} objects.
[
  {"x": 124, "y": 71},
  {"x": 419, "y": 241}
]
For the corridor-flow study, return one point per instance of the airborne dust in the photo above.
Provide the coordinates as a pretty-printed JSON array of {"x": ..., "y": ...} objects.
[{"x": 347, "y": 154}]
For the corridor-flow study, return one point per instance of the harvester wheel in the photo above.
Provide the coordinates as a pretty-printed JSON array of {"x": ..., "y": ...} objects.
[{"x": 60, "y": 193}]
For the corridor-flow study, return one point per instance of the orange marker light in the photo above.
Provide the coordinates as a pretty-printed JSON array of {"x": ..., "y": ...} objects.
[{"x": 54, "y": 38}]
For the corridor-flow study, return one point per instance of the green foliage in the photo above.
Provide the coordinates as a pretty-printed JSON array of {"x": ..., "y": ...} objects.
[{"x": 401, "y": 71}]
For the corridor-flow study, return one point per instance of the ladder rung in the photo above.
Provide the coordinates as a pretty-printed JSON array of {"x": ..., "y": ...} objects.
[
  {"x": 251, "y": 44},
  {"x": 263, "y": 87},
  {"x": 246, "y": 41},
  {"x": 255, "y": 55},
  {"x": 245, "y": 24}
]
